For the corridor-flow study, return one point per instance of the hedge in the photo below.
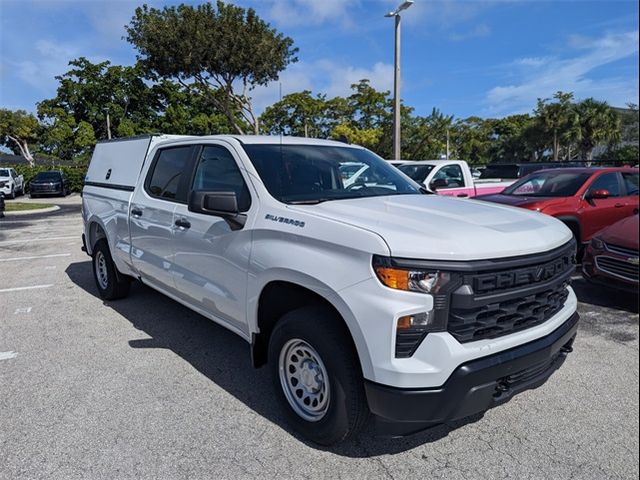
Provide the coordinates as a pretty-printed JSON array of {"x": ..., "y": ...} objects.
[{"x": 75, "y": 174}]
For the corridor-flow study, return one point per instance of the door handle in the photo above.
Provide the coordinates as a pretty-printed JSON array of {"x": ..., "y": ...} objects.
[
  {"x": 462, "y": 195},
  {"x": 136, "y": 212},
  {"x": 182, "y": 223},
  {"x": 619, "y": 205}
]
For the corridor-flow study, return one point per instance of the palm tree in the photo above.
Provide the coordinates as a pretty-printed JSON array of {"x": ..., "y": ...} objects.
[{"x": 599, "y": 125}]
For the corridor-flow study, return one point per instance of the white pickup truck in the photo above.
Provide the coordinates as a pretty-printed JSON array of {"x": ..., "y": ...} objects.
[
  {"x": 363, "y": 299},
  {"x": 451, "y": 178},
  {"x": 11, "y": 184}
]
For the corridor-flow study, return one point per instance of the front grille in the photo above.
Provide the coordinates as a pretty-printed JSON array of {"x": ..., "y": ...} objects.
[
  {"x": 510, "y": 295},
  {"x": 43, "y": 188},
  {"x": 618, "y": 267},
  {"x": 510, "y": 316},
  {"x": 629, "y": 252}
]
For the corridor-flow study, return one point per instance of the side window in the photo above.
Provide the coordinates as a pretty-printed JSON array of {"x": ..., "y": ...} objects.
[
  {"x": 452, "y": 174},
  {"x": 631, "y": 182},
  {"x": 217, "y": 171},
  {"x": 609, "y": 182},
  {"x": 167, "y": 172}
]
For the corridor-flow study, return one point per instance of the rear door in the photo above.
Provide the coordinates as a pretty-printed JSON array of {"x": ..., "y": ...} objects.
[
  {"x": 599, "y": 213},
  {"x": 211, "y": 257},
  {"x": 151, "y": 216}
]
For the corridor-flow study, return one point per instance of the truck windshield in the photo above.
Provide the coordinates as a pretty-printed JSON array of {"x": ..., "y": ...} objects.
[
  {"x": 418, "y": 173},
  {"x": 548, "y": 184},
  {"x": 300, "y": 174}
]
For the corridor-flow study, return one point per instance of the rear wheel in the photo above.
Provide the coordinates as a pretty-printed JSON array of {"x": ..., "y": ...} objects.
[
  {"x": 317, "y": 376},
  {"x": 111, "y": 284}
]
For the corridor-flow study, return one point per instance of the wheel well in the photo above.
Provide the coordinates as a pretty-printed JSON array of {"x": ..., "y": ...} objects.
[
  {"x": 96, "y": 232},
  {"x": 276, "y": 299}
]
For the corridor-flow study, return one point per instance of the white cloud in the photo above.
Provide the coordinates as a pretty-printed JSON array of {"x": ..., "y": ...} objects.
[
  {"x": 48, "y": 60},
  {"x": 542, "y": 76},
  {"x": 310, "y": 12},
  {"x": 323, "y": 76}
]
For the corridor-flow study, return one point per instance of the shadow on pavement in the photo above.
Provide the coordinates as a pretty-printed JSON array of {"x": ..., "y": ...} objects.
[
  {"x": 224, "y": 358},
  {"x": 604, "y": 297}
]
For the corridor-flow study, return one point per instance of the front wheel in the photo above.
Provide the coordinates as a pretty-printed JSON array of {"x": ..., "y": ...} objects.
[
  {"x": 317, "y": 376},
  {"x": 12, "y": 193},
  {"x": 111, "y": 285}
]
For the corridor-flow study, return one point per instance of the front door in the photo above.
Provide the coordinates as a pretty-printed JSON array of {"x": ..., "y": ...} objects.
[
  {"x": 598, "y": 213},
  {"x": 453, "y": 183},
  {"x": 211, "y": 257},
  {"x": 151, "y": 216}
]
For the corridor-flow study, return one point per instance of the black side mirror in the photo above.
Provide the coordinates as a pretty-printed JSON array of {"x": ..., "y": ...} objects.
[
  {"x": 219, "y": 204},
  {"x": 438, "y": 183}
]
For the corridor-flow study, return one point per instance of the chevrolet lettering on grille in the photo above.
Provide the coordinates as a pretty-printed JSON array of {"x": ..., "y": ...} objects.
[{"x": 523, "y": 276}]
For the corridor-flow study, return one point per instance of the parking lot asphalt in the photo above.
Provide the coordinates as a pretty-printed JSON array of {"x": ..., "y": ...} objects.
[{"x": 145, "y": 388}]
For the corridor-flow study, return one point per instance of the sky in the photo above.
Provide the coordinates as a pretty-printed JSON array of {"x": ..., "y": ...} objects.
[{"x": 473, "y": 57}]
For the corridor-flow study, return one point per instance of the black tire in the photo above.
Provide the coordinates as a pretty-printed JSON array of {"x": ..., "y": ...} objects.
[
  {"x": 12, "y": 193},
  {"x": 31, "y": 195},
  {"x": 111, "y": 284},
  {"x": 347, "y": 411}
]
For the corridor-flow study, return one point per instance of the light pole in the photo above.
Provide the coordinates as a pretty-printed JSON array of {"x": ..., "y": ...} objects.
[{"x": 396, "y": 79}]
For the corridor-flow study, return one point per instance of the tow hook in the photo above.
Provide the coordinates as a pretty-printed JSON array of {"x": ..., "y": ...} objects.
[
  {"x": 566, "y": 349},
  {"x": 501, "y": 387}
]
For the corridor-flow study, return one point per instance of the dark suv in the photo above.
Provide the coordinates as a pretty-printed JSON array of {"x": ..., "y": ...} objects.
[{"x": 49, "y": 183}]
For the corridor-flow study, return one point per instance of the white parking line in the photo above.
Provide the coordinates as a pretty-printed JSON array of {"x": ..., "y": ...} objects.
[
  {"x": 39, "y": 239},
  {"x": 32, "y": 287},
  {"x": 8, "y": 355},
  {"x": 34, "y": 257},
  {"x": 22, "y": 310}
]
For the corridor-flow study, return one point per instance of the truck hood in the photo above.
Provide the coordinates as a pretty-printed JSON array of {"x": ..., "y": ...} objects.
[{"x": 441, "y": 228}]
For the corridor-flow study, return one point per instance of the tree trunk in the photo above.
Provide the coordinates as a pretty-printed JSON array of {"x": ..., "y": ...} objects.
[
  {"x": 24, "y": 149},
  {"x": 555, "y": 145}
]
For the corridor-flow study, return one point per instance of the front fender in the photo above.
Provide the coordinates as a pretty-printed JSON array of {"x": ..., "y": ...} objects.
[{"x": 321, "y": 289}]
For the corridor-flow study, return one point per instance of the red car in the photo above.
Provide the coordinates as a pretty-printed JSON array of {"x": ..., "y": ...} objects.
[
  {"x": 585, "y": 199},
  {"x": 611, "y": 259}
]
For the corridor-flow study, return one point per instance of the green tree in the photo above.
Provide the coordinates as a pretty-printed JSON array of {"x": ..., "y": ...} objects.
[
  {"x": 472, "y": 138},
  {"x": 558, "y": 120},
  {"x": 599, "y": 125},
  {"x": 17, "y": 129},
  {"x": 299, "y": 114},
  {"x": 369, "y": 108},
  {"x": 85, "y": 95},
  {"x": 213, "y": 48}
]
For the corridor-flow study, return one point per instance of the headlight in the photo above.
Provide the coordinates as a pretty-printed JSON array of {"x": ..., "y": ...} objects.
[
  {"x": 412, "y": 329},
  {"x": 597, "y": 244},
  {"x": 422, "y": 281}
]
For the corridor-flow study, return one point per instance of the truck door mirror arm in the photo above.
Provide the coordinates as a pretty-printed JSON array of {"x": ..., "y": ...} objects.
[{"x": 219, "y": 204}]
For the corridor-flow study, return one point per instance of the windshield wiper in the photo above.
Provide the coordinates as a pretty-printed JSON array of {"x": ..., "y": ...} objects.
[{"x": 314, "y": 201}]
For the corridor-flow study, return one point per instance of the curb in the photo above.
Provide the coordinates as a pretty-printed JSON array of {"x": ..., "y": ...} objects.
[{"x": 31, "y": 212}]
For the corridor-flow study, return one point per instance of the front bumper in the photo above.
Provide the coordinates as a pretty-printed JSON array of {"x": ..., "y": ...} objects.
[{"x": 473, "y": 387}]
